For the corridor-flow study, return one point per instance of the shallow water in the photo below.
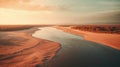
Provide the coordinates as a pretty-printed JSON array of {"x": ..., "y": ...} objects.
[{"x": 77, "y": 52}]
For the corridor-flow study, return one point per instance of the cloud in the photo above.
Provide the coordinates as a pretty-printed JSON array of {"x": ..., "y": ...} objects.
[
  {"x": 26, "y": 5},
  {"x": 110, "y": 3}
]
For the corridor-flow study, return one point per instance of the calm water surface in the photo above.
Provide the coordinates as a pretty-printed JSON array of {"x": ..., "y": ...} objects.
[{"x": 77, "y": 52}]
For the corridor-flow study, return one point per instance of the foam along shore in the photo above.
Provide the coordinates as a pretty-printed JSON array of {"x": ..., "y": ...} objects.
[
  {"x": 20, "y": 49},
  {"x": 111, "y": 40}
]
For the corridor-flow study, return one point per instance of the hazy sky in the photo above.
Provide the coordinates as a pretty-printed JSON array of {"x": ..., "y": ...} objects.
[{"x": 52, "y": 11}]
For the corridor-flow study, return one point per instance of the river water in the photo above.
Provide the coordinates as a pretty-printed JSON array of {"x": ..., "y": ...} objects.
[{"x": 77, "y": 52}]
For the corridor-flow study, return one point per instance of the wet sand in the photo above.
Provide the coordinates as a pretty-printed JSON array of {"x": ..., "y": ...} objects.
[
  {"x": 20, "y": 49},
  {"x": 112, "y": 40}
]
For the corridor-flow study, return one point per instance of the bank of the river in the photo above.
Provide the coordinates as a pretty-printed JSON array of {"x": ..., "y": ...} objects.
[
  {"x": 20, "y": 49},
  {"x": 77, "y": 52},
  {"x": 112, "y": 40}
]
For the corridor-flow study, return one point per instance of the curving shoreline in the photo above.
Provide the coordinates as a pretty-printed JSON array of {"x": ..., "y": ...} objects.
[
  {"x": 28, "y": 53},
  {"x": 111, "y": 40}
]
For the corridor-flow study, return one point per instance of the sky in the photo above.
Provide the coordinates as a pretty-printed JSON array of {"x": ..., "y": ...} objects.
[{"x": 53, "y": 11}]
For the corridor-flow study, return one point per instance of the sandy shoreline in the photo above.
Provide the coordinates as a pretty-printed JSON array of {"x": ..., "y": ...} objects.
[
  {"x": 111, "y": 40},
  {"x": 27, "y": 51}
]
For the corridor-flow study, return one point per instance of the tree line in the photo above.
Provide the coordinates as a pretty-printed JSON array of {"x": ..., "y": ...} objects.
[{"x": 98, "y": 28}]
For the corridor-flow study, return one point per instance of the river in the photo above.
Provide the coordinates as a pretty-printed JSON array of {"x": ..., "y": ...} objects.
[{"x": 77, "y": 52}]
